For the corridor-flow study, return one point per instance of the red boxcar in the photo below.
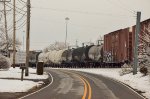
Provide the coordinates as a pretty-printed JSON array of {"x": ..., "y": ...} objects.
[
  {"x": 116, "y": 46},
  {"x": 119, "y": 45}
]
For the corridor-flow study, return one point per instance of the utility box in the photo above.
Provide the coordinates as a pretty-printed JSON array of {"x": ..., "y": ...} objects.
[{"x": 39, "y": 68}]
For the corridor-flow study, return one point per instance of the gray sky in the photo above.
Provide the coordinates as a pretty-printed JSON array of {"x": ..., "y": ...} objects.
[{"x": 89, "y": 19}]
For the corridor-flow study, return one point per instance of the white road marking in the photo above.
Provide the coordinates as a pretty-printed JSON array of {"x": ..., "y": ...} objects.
[{"x": 40, "y": 89}]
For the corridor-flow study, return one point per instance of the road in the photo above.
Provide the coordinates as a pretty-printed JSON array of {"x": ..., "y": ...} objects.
[{"x": 78, "y": 85}]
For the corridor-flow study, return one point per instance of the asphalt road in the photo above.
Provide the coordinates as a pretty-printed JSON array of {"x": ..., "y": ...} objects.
[{"x": 78, "y": 85}]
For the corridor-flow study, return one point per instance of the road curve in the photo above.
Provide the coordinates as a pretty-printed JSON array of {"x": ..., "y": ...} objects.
[{"x": 78, "y": 85}]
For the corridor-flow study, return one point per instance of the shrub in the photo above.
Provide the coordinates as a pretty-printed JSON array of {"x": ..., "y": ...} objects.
[
  {"x": 144, "y": 70},
  {"x": 125, "y": 69},
  {"x": 4, "y": 62}
]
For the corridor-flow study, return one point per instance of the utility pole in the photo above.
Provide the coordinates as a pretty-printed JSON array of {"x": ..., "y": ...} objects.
[
  {"x": 5, "y": 17},
  {"x": 14, "y": 33},
  {"x": 27, "y": 38},
  {"x": 136, "y": 43}
]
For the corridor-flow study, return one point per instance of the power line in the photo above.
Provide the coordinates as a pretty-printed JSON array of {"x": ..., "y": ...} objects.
[
  {"x": 19, "y": 26},
  {"x": 11, "y": 27},
  {"x": 81, "y": 12},
  {"x": 122, "y": 7},
  {"x": 17, "y": 7},
  {"x": 21, "y": 2},
  {"x": 126, "y": 7},
  {"x": 13, "y": 8},
  {"x": 21, "y": 17},
  {"x": 21, "y": 9}
]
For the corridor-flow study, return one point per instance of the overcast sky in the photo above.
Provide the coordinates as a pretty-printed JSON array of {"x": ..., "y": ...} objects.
[{"x": 89, "y": 19}]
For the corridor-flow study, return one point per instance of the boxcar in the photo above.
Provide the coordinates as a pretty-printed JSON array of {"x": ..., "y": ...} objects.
[{"x": 119, "y": 45}]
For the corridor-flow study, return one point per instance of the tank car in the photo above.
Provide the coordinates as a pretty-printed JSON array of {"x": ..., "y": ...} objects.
[
  {"x": 78, "y": 57},
  {"x": 86, "y": 56},
  {"x": 67, "y": 58},
  {"x": 57, "y": 57},
  {"x": 96, "y": 53},
  {"x": 93, "y": 55}
]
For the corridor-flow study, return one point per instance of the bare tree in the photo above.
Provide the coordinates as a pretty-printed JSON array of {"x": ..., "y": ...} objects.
[
  {"x": 56, "y": 46},
  {"x": 3, "y": 42},
  {"x": 4, "y": 63},
  {"x": 144, "y": 49}
]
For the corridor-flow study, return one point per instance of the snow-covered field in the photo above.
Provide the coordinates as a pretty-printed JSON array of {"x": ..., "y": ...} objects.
[
  {"x": 138, "y": 81},
  {"x": 10, "y": 80}
]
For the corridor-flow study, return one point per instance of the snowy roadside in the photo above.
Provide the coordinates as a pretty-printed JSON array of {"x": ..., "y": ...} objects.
[
  {"x": 139, "y": 82},
  {"x": 10, "y": 80}
]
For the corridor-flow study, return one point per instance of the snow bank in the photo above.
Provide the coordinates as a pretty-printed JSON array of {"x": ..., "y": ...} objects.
[
  {"x": 10, "y": 80},
  {"x": 17, "y": 85}
]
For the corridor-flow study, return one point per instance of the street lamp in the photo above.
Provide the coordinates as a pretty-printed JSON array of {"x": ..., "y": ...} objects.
[{"x": 66, "y": 19}]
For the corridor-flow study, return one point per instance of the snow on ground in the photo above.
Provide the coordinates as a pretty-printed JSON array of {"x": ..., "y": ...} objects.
[
  {"x": 10, "y": 80},
  {"x": 137, "y": 81}
]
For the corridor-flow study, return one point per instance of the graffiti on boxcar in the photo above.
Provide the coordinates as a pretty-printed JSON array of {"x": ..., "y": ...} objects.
[{"x": 108, "y": 57}]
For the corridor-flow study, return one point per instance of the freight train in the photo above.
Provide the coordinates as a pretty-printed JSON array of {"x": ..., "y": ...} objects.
[
  {"x": 118, "y": 48},
  {"x": 82, "y": 57},
  {"x": 86, "y": 56}
]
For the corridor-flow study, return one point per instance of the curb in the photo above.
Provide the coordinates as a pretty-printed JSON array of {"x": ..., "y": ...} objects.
[{"x": 39, "y": 89}]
